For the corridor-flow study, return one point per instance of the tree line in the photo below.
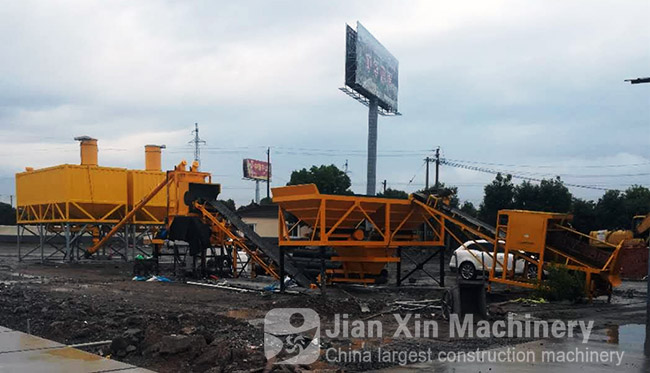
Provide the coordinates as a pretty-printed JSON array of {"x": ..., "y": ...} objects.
[{"x": 613, "y": 210}]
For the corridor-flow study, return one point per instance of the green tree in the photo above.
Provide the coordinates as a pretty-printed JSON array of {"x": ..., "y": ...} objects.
[
  {"x": 584, "y": 215},
  {"x": 468, "y": 208},
  {"x": 394, "y": 193},
  {"x": 527, "y": 197},
  {"x": 328, "y": 179},
  {"x": 554, "y": 196},
  {"x": 7, "y": 214},
  {"x": 499, "y": 194},
  {"x": 636, "y": 201},
  {"x": 611, "y": 212},
  {"x": 549, "y": 195}
]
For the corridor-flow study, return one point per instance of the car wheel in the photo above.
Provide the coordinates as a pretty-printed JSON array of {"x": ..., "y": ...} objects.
[
  {"x": 467, "y": 271},
  {"x": 531, "y": 272}
]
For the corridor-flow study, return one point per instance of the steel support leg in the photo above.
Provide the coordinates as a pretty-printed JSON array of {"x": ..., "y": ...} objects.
[
  {"x": 20, "y": 258},
  {"x": 323, "y": 280},
  {"x": 399, "y": 267},
  {"x": 133, "y": 242},
  {"x": 41, "y": 237},
  {"x": 281, "y": 269},
  {"x": 68, "y": 249},
  {"x": 442, "y": 260}
]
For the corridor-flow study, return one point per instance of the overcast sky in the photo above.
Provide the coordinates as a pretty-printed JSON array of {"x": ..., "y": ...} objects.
[{"x": 533, "y": 86}]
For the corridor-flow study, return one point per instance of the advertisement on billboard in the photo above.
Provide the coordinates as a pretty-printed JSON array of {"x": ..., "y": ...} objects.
[
  {"x": 256, "y": 170},
  {"x": 376, "y": 69}
]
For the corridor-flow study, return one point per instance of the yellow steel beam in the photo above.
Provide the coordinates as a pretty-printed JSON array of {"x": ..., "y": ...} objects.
[
  {"x": 75, "y": 204},
  {"x": 111, "y": 211},
  {"x": 514, "y": 282},
  {"x": 401, "y": 224},
  {"x": 60, "y": 211},
  {"x": 345, "y": 216},
  {"x": 372, "y": 222}
]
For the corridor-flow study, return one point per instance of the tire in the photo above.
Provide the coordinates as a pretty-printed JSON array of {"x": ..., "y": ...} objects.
[{"x": 467, "y": 271}]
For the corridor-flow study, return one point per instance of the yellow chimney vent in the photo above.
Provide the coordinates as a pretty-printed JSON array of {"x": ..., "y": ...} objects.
[
  {"x": 152, "y": 157},
  {"x": 88, "y": 149}
]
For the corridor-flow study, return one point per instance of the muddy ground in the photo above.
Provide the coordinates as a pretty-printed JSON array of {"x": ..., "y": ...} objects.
[{"x": 172, "y": 327}]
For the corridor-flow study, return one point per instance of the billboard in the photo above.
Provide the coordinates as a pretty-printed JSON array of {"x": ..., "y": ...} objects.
[
  {"x": 256, "y": 170},
  {"x": 370, "y": 68}
]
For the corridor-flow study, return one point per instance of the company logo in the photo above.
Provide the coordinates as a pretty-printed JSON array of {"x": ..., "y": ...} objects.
[{"x": 292, "y": 335}]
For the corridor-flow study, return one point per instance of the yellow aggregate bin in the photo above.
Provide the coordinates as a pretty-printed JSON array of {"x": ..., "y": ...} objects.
[
  {"x": 140, "y": 184},
  {"x": 180, "y": 186},
  {"x": 72, "y": 193}
]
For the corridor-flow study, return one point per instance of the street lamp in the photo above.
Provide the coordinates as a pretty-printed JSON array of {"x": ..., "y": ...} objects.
[
  {"x": 646, "y": 346},
  {"x": 638, "y": 80}
]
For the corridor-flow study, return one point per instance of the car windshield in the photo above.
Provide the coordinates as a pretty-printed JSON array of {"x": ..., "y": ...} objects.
[{"x": 482, "y": 247}]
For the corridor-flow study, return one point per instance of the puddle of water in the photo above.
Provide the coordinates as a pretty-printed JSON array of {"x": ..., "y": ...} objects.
[
  {"x": 631, "y": 336},
  {"x": 71, "y": 353},
  {"x": 243, "y": 314},
  {"x": 250, "y": 315},
  {"x": 361, "y": 343}
]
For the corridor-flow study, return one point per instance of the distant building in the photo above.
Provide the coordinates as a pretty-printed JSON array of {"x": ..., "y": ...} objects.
[{"x": 264, "y": 220}]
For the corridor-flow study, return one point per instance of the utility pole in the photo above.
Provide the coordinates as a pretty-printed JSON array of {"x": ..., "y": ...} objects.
[
  {"x": 384, "y": 184},
  {"x": 197, "y": 143},
  {"x": 268, "y": 175},
  {"x": 437, "y": 165},
  {"x": 345, "y": 167},
  {"x": 11, "y": 200},
  {"x": 426, "y": 177}
]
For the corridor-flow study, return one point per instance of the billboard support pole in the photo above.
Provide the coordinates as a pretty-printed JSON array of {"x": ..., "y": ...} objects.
[
  {"x": 257, "y": 192},
  {"x": 372, "y": 146},
  {"x": 268, "y": 173}
]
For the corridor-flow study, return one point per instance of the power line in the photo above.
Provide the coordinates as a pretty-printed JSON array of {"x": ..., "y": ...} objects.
[
  {"x": 560, "y": 174},
  {"x": 416, "y": 173},
  {"x": 548, "y": 166},
  {"x": 514, "y": 175}
]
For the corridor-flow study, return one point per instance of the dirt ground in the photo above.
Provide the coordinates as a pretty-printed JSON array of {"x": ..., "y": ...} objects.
[{"x": 172, "y": 327}]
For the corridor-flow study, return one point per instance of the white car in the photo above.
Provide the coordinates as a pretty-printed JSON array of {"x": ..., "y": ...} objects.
[{"x": 473, "y": 259}]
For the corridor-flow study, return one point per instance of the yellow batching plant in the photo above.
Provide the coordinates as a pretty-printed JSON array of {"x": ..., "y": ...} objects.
[
  {"x": 70, "y": 212},
  {"x": 64, "y": 209}
]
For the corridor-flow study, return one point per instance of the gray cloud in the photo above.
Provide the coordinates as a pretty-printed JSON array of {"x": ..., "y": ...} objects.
[{"x": 517, "y": 83}]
